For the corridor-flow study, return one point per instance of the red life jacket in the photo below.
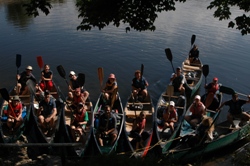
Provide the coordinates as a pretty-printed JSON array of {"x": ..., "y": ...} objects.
[
  {"x": 80, "y": 117},
  {"x": 214, "y": 88}
]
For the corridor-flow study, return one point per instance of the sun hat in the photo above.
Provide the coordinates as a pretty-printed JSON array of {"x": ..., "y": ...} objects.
[
  {"x": 197, "y": 97},
  {"x": 29, "y": 68},
  {"x": 15, "y": 98},
  {"x": 172, "y": 103},
  {"x": 71, "y": 73},
  {"x": 112, "y": 76}
]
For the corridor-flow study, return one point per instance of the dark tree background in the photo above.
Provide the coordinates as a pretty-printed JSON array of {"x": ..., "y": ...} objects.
[{"x": 140, "y": 14}]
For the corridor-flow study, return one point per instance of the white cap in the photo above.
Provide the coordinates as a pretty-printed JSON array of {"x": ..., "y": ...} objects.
[
  {"x": 72, "y": 73},
  {"x": 197, "y": 97},
  {"x": 172, "y": 103},
  {"x": 29, "y": 68}
]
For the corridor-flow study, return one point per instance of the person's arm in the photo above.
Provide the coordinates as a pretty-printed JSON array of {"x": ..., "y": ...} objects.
[
  {"x": 20, "y": 111},
  {"x": 114, "y": 125},
  {"x": 173, "y": 76},
  {"x": 218, "y": 109},
  {"x": 86, "y": 119},
  {"x": 143, "y": 126}
]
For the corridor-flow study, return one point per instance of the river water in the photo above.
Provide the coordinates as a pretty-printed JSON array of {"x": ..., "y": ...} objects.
[{"x": 55, "y": 38}]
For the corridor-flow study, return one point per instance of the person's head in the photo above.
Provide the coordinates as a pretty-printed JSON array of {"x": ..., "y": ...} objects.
[
  {"x": 107, "y": 110},
  {"x": 80, "y": 107},
  {"x": 46, "y": 68},
  {"x": 171, "y": 105},
  {"x": 178, "y": 70},
  {"x": 15, "y": 100},
  {"x": 47, "y": 95},
  {"x": 29, "y": 69},
  {"x": 235, "y": 97},
  {"x": 72, "y": 75},
  {"x": 215, "y": 80},
  {"x": 195, "y": 47},
  {"x": 78, "y": 91},
  {"x": 142, "y": 115},
  {"x": 112, "y": 77},
  {"x": 137, "y": 73},
  {"x": 197, "y": 98}
]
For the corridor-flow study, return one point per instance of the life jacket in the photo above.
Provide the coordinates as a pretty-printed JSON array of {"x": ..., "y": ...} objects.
[
  {"x": 197, "y": 110},
  {"x": 172, "y": 115},
  {"x": 15, "y": 109},
  {"x": 141, "y": 123},
  {"x": 213, "y": 88},
  {"x": 80, "y": 117}
]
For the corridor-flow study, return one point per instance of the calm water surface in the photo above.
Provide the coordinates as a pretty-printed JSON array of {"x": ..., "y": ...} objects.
[{"x": 55, "y": 38}]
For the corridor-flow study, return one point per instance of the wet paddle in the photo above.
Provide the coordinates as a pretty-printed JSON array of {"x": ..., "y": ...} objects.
[
  {"x": 142, "y": 70},
  {"x": 62, "y": 73},
  {"x": 169, "y": 56},
  {"x": 192, "y": 40},
  {"x": 209, "y": 96},
  {"x": 230, "y": 91},
  {"x": 100, "y": 76},
  {"x": 205, "y": 71}
]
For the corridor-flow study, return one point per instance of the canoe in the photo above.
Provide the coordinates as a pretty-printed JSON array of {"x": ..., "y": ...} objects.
[
  {"x": 193, "y": 76},
  {"x": 167, "y": 138},
  {"x": 132, "y": 110},
  {"x": 117, "y": 110},
  {"x": 64, "y": 132},
  {"x": 224, "y": 136},
  {"x": 6, "y": 136},
  {"x": 41, "y": 137}
]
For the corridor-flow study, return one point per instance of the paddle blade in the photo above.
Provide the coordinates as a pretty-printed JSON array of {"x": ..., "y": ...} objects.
[
  {"x": 227, "y": 90},
  {"x": 18, "y": 60},
  {"x": 192, "y": 39},
  {"x": 113, "y": 97},
  {"x": 169, "y": 54},
  {"x": 5, "y": 94},
  {"x": 39, "y": 60},
  {"x": 142, "y": 69},
  {"x": 205, "y": 70},
  {"x": 61, "y": 71},
  {"x": 81, "y": 79},
  {"x": 100, "y": 75}
]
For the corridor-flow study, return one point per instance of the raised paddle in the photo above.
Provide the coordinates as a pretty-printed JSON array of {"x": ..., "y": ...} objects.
[
  {"x": 205, "y": 71},
  {"x": 113, "y": 97},
  {"x": 18, "y": 62},
  {"x": 142, "y": 70},
  {"x": 169, "y": 56},
  {"x": 62, "y": 73},
  {"x": 81, "y": 79},
  {"x": 100, "y": 76},
  {"x": 192, "y": 40},
  {"x": 230, "y": 91},
  {"x": 40, "y": 63}
]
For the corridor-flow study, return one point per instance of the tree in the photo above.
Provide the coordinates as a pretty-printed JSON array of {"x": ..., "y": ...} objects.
[{"x": 140, "y": 14}]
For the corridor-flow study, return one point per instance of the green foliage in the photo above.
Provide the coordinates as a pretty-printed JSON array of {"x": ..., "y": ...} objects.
[
  {"x": 139, "y": 15},
  {"x": 223, "y": 13}
]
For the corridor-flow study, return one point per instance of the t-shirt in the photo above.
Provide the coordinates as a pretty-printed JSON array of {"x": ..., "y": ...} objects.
[
  {"x": 47, "y": 107},
  {"x": 235, "y": 107}
]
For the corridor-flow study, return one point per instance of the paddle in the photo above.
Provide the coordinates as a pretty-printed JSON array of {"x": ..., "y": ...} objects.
[
  {"x": 5, "y": 95},
  {"x": 192, "y": 40},
  {"x": 205, "y": 71},
  {"x": 18, "y": 62},
  {"x": 113, "y": 97},
  {"x": 40, "y": 63},
  {"x": 170, "y": 91},
  {"x": 142, "y": 70},
  {"x": 81, "y": 79},
  {"x": 62, "y": 73},
  {"x": 169, "y": 56},
  {"x": 230, "y": 91},
  {"x": 100, "y": 76}
]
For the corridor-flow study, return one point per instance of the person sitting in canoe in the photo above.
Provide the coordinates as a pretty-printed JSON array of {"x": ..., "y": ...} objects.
[
  {"x": 78, "y": 97},
  {"x": 46, "y": 78},
  {"x": 79, "y": 121},
  {"x": 107, "y": 127},
  {"x": 139, "y": 86},
  {"x": 198, "y": 110},
  {"x": 14, "y": 113},
  {"x": 177, "y": 79},
  {"x": 169, "y": 118},
  {"x": 22, "y": 79},
  {"x": 47, "y": 112},
  {"x": 74, "y": 84},
  {"x": 236, "y": 110},
  {"x": 39, "y": 92},
  {"x": 194, "y": 54},
  {"x": 137, "y": 129},
  {"x": 203, "y": 133},
  {"x": 210, "y": 99},
  {"x": 110, "y": 86}
]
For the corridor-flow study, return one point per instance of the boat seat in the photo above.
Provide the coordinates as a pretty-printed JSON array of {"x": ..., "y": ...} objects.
[
  {"x": 137, "y": 112},
  {"x": 141, "y": 103},
  {"x": 170, "y": 96}
]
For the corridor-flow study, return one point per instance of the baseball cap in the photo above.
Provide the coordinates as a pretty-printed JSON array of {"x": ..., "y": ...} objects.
[
  {"x": 71, "y": 73},
  {"x": 172, "y": 103},
  {"x": 197, "y": 97}
]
